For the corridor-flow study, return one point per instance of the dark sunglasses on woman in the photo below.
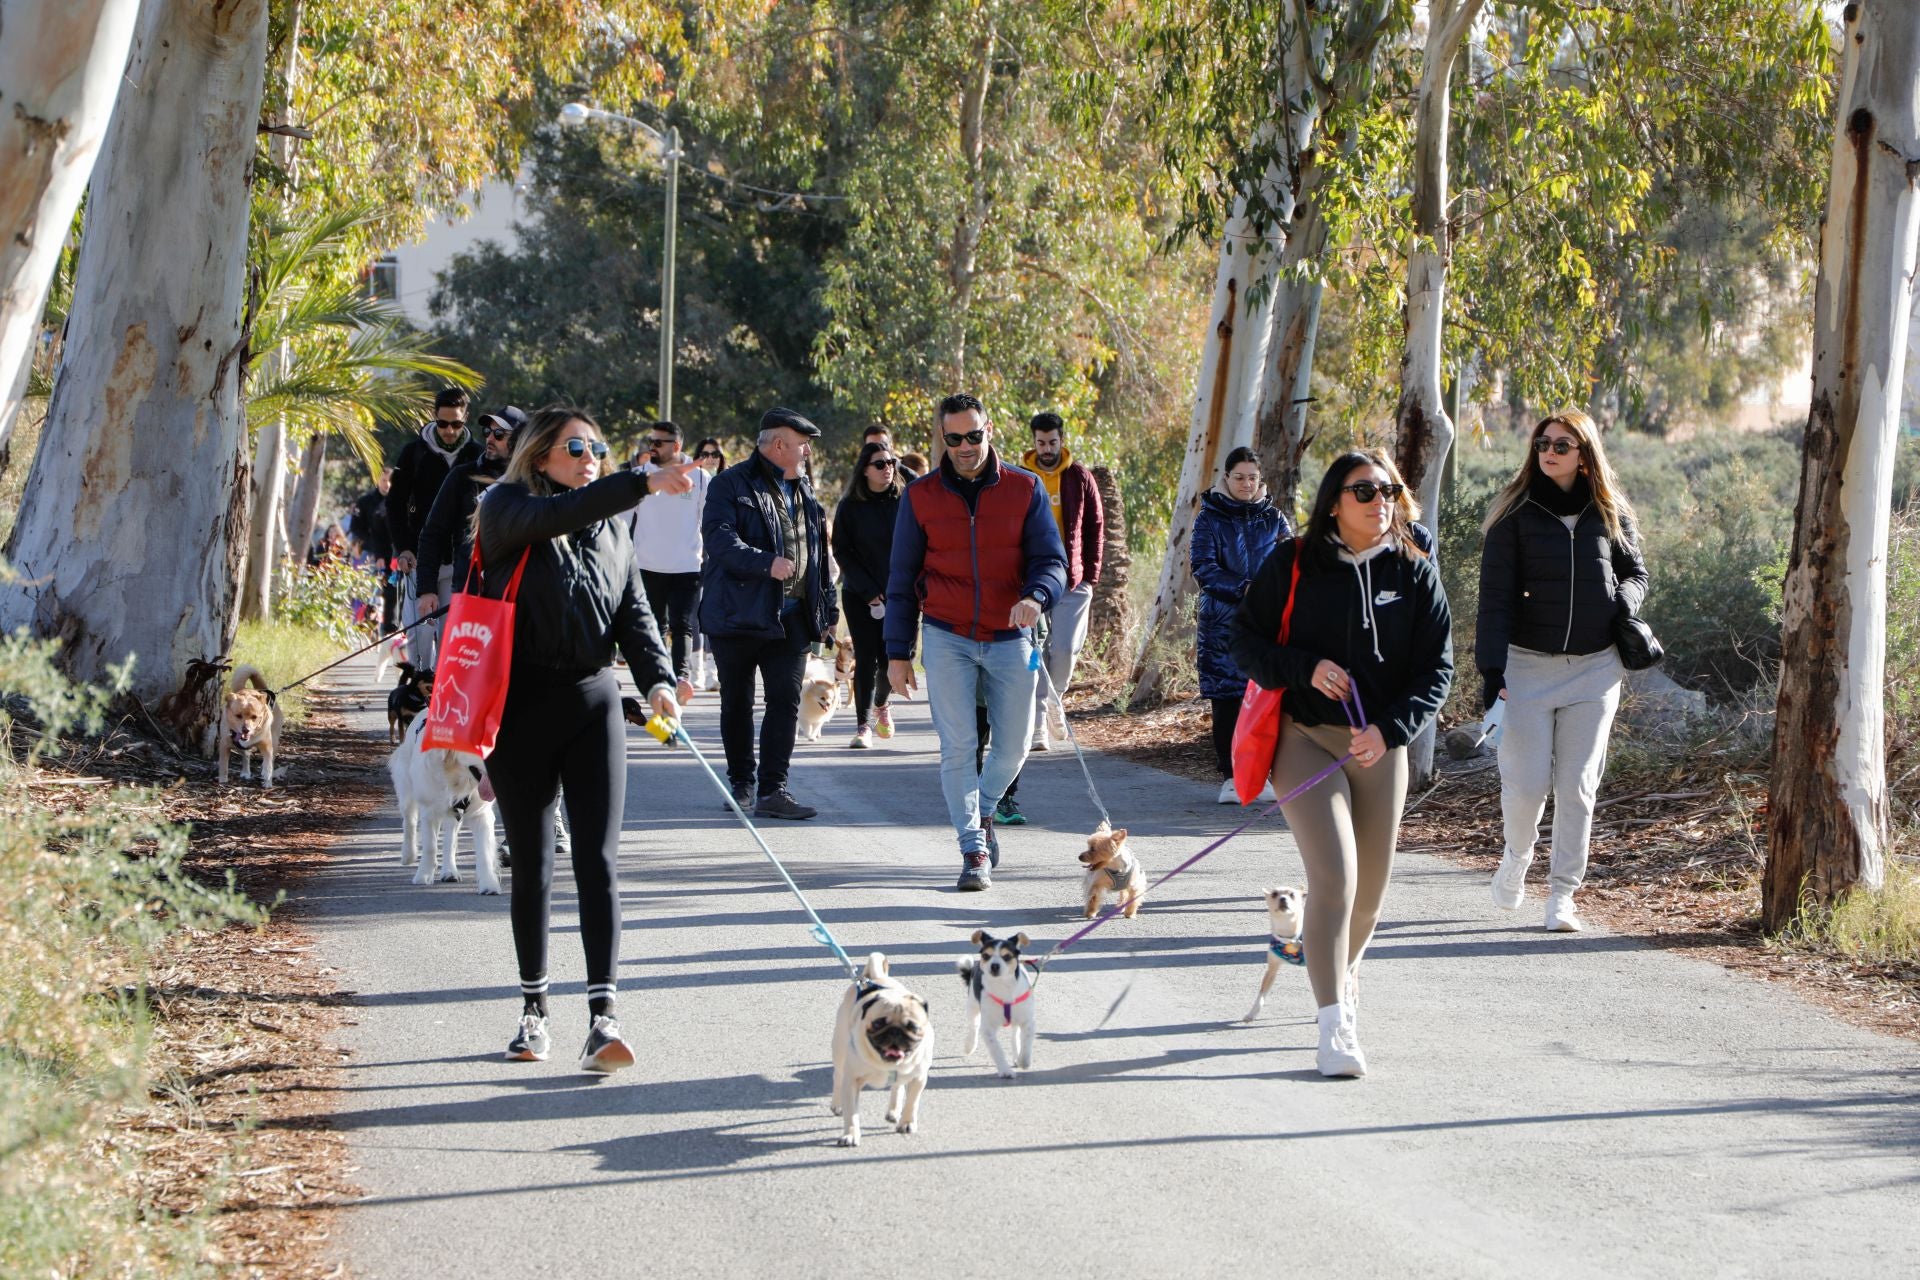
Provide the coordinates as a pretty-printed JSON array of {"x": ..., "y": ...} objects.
[
  {"x": 1366, "y": 491},
  {"x": 885, "y": 464},
  {"x": 955, "y": 439},
  {"x": 1560, "y": 447},
  {"x": 576, "y": 446}
]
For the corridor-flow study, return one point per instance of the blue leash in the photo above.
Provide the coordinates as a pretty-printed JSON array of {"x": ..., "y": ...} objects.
[{"x": 821, "y": 934}]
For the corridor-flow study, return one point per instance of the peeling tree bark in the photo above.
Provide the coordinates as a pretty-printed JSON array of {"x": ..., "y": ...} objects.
[
  {"x": 134, "y": 514},
  {"x": 1423, "y": 431},
  {"x": 1109, "y": 622},
  {"x": 1827, "y": 803},
  {"x": 60, "y": 69}
]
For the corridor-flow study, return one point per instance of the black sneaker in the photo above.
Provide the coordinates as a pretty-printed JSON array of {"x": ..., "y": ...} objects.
[
  {"x": 742, "y": 796},
  {"x": 1007, "y": 813},
  {"x": 531, "y": 1042},
  {"x": 605, "y": 1051},
  {"x": 973, "y": 873},
  {"x": 781, "y": 804},
  {"x": 993, "y": 840}
]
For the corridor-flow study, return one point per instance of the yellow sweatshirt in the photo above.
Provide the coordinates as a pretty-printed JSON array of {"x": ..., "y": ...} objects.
[{"x": 1031, "y": 461}]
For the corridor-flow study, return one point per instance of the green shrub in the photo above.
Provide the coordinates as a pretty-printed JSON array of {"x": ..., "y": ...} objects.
[
  {"x": 325, "y": 598},
  {"x": 94, "y": 886},
  {"x": 285, "y": 651}
]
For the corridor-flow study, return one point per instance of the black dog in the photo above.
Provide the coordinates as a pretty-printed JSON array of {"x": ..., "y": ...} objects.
[{"x": 407, "y": 700}]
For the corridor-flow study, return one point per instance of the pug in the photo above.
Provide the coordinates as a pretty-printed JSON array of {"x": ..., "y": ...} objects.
[
  {"x": 1285, "y": 923},
  {"x": 883, "y": 1036}
]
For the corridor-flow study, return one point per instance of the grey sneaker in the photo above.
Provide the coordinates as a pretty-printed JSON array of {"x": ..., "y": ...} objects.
[
  {"x": 530, "y": 1043},
  {"x": 781, "y": 804},
  {"x": 742, "y": 796},
  {"x": 973, "y": 873},
  {"x": 605, "y": 1052}
]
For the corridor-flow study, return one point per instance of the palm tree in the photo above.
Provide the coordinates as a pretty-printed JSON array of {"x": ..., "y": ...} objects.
[{"x": 324, "y": 358}]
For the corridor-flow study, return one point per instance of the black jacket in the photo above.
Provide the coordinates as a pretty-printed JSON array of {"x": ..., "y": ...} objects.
[
  {"x": 581, "y": 594},
  {"x": 369, "y": 527},
  {"x": 740, "y": 538},
  {"x": 1410, "y": 628},
  {"x": 1553, "y": 589},
  {"x": 417, "y": 475},
  {"x": 446, "y": 537},
  {"x": 863, "y": 543}
]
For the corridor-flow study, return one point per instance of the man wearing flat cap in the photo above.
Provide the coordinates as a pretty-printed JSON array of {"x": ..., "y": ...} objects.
[{"x": 766, "y": 596}]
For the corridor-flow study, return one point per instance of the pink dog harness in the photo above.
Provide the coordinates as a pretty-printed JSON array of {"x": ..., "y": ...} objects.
[{"x": 1006, "y": 1006}]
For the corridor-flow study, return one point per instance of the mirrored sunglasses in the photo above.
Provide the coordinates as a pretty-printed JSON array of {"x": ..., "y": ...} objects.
[{"x": 576, "y": 446}]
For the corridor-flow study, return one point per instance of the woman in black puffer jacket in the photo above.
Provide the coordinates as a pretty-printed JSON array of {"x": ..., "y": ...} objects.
[
  {"x": 1561, "y": 563},
  {"x": 580, "y": 598},
  {"x": 863, "y": 548},
  {"x": 1233, "y": 535}
]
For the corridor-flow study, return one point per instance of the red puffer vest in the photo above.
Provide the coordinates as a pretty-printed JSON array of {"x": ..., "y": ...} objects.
[{"x": 975, "y": 565}]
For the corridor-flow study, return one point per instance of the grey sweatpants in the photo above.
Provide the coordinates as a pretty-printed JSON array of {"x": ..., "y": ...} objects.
[
  {"x": 1559, "y": 711},
  {"x": 1346, "y": 828},
  {"x": 1066, "y": 634}
]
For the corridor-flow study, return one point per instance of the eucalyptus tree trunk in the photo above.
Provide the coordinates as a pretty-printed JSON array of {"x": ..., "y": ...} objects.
[
  {"x": 306, "y": 494},
  {"x": 1232, "y": 359},
  {"x": 60, "y": 69},
  {"x": 130, "y": 527},
  {"x": 1423, "y": 431},
  {"x": 1827, "y": 795},
  {"x": 1110, "y": 620}
]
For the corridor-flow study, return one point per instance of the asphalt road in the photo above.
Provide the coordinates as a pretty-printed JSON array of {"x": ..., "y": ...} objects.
[{"x": 1563, "y": 1105}]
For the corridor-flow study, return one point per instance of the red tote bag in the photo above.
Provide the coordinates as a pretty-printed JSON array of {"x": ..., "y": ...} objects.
[
  {"x": 476, "y": 656},
  {"x": 1256, "y": 734}
]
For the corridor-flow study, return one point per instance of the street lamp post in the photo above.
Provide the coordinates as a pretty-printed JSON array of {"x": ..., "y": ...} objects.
[{"x": 667, "y": 147}]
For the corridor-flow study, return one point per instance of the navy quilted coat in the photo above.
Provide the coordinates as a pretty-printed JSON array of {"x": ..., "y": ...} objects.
[{"x": 1231, "y": 540}]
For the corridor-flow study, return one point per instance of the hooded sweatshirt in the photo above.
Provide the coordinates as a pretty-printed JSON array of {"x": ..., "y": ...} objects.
[
  {"x": 418, "y": 473},
  {"x": 1074, "y": 500}
]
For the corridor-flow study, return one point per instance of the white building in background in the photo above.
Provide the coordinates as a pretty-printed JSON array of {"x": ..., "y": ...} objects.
[{"x": 408, "y": 275}]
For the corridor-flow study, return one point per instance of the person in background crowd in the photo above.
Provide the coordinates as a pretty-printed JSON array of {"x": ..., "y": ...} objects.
[
  {"x": 418, "y": 473},
  {"x": 666, "y": 542},
  {"x": 912, "y": 466},
  {"x": 767, "y": 595},
  {"x": 1233, "y": 535},
  {"x": 1369, "y": 615},
  {"x": 863, "y": 548},
  {"x": 1561, "y": 562},
  {"x": 580, "y": 598},
  {"x": 712, "y": 461},
  {"x": 367, "y": 526},
  {"x": 977, "y": 554},
  {"x": 331, "y": 545},
  {"x": 1074, "y": 499},
  {"x": 445, "y": 549}
]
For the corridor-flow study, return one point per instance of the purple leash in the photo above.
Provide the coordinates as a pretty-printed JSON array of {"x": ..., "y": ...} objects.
[{"x": 1356, "y": 718}]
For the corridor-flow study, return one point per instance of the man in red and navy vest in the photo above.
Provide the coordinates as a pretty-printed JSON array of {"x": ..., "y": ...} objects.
[{"x": 976, "y": 553}]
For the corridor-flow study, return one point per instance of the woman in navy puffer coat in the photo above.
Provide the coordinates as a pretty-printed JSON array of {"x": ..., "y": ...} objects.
[{"x": 1236, "y": 530}]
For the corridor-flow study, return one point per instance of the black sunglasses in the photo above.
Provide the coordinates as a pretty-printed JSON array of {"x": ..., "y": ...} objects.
[
  {"x": 576, "y": 446},
  {"x": 1560, "y": 447},
  {"x": 1366, "y": 491},
  {"x": 654, "y": 442},
  {"x": 955, "y": 439},
  {"x": 882, "y": 462},
  {"x": 500, "y": 433},
  {"x": 702, "y": 457}
]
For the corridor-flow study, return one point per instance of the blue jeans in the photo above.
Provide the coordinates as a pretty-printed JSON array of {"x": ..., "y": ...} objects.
[{"x": 961, "y": 673}]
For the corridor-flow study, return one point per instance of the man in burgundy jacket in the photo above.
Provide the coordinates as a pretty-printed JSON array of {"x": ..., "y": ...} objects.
[
  {"x": 977, "y": 554},
  {"x": 1075, "y": 502}
]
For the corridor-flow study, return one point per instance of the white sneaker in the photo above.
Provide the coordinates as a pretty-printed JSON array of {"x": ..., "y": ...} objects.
[
  {"x": 1510, "y": 881},
  {"x": 1040, "y": 740},
  {"x": 1340, "y": 1043},
  {"x": 1266, "y": 795},
  {"x": 1056, "y": 718},
  {"x": 1227, "y": 794},
  {"x": 1561, "y": 917}
]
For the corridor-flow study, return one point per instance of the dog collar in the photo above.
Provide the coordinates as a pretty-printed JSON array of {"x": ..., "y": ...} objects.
[
  {"x": 1289, "y": 949},
  {"x": 1006, "y": 1006}
]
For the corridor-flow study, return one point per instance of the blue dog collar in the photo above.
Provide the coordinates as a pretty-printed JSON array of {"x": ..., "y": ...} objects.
[{"x": 1292, "y": 950}]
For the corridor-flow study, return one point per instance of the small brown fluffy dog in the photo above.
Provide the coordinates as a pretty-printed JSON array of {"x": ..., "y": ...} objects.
[
  {"x": 819, "y": 699},
  {"x": 843, "y": 667},
  {"x": 1112, "y": 869},
  {"x": 250, "y": 721}
]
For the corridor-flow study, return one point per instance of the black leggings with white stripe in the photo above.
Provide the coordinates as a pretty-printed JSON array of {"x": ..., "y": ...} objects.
[{"x": 563, "y": 727}]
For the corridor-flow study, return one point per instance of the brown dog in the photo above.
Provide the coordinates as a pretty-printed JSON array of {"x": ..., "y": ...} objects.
[
  {"x": 250, "y": 721},
  {"x": 843, "y": 667},
  {"x": 1112, "y": 869}
]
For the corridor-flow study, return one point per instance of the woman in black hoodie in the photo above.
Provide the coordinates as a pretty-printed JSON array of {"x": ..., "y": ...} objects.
[
  {"x": 580, "y": 597},
  {"x": 1369, "y": 615},
  {"x": 1561, "y": 563},
  {"x": 862, "y": 547}
]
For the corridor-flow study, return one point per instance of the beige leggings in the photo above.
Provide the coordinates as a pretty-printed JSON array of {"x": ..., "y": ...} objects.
[{"x": 1346, "y": 828}]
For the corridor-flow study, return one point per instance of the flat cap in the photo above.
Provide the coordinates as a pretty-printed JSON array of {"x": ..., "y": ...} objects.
[{"x": 782, "y": 417}]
